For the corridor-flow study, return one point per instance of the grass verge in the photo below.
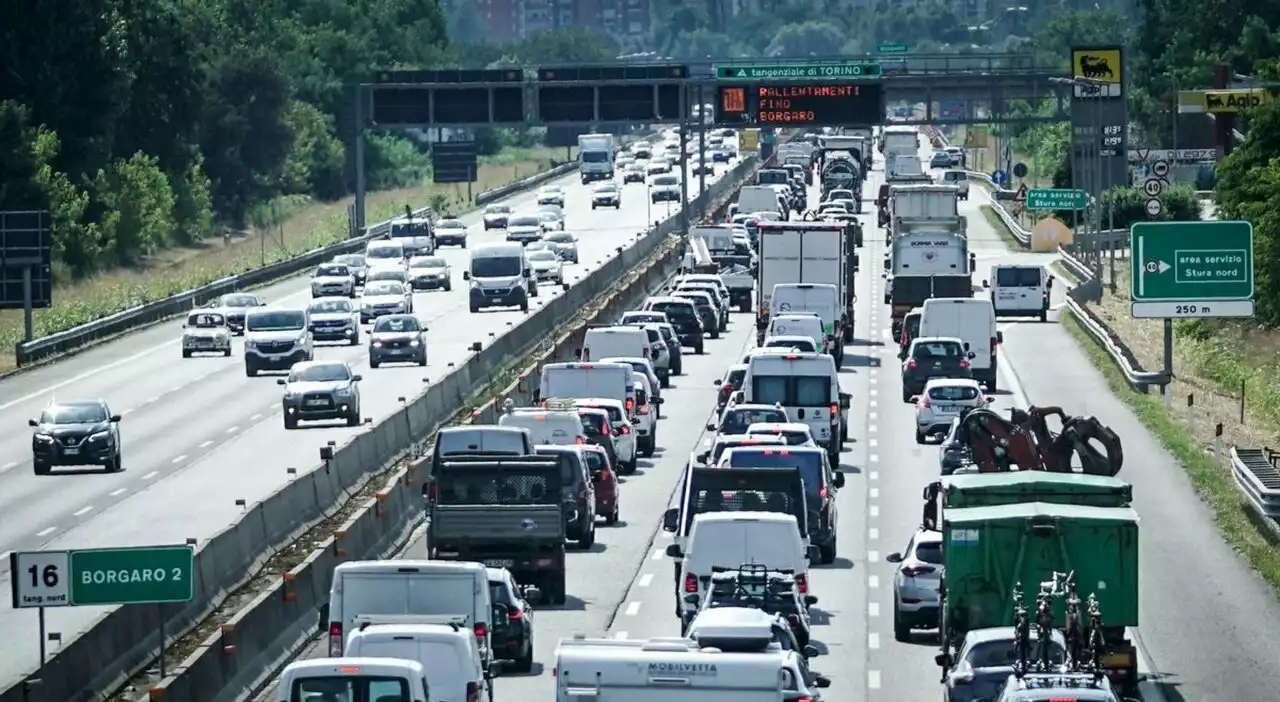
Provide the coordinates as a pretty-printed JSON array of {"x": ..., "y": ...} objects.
[
  {"x": 1001, "y": 228},
  {"x": 302, "y": 225},
  {"x": 1235, "y": 519}
]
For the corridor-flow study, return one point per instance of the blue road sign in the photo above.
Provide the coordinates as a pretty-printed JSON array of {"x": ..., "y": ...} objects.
[
  {"x": 999, "y": 177},
  {"x": 951, "y": 109}
]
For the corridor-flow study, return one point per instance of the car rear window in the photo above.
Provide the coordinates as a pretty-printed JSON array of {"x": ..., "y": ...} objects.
[
  {"x": 592, "y": 424},
  {"x": 930, "y": 552},
  {"x": 596, "y": 461},
  {"x": 615, "y": 414},
  {"x": 953, "y": 393},
  {"x": 735, "y": 378},
  {"x": 938, "y": 349},
  {"x": 1003, "y": 654},
  {"x": 675, "y": 310},
  {"x": 809, "y": 462},
  {"x": 1018, "y": 278}
]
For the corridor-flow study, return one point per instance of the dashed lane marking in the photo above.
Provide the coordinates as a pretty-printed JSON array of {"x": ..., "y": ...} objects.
[
  {"x": 658, "y": 554},
  {"x": 873, "y": 556},
  {"x": 874, "y": 458},
  {"x": 255, "y": 417},
  {"x": 180, "y": 459},
  {"x": 46, "y": 532},
  {"x": 874, "y": 475},
  {"x": 873, "y": 678},
  {"x": 151, "y": 475},
  {"x": 873, "y": 609},
  {"x": 874, "y": 511},
  {"x": 873, "y": 641},
  {"x": 873, "y": 534},
  {"x": 875, "y": 492},
  {"x": 82, "y": 511},
  {"x": 232, "y": 429},
  {"x": 873, "y": 581},
  {"x": 117, "y": 492},
  {"x": 633, "y": 608},
  {"x": 620, "y": 635},
  {"x": 206, "y": 444},
  {"x": 645, "y": 580}
]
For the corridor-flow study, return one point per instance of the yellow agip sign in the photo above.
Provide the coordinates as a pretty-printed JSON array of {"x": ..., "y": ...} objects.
[
  {"x": 1220, "y": 102},
  {"x": 748, "y": 140}
]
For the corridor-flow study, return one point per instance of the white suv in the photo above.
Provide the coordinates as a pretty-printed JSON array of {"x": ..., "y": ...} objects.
[{"x": 916, "y": 584}]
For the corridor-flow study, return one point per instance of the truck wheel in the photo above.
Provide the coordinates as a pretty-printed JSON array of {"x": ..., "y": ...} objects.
[
  {"x": 665, "y": 381},
  {"x": 715, "y": 333}
]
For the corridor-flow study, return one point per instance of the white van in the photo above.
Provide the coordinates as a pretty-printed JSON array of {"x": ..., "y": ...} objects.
[
  {"x": 451, "y": 662},
  {"x": 1020, "y": 291},
  {"x": 759, "y": 198},
  {"x": 353, "y": 679},
  {"x": 500, "y": 276},
  {"x": 602, "y": 342},
  {"x": 384, "y": 253},
  {"x": 730, "y": 539},
  {"x": 582, "y": 380},
  {"x": 806, "y": 324},
  {"x": 822, "y": 299},
  {"x": 556, "y": 423},
  {"x": 666, "y": 670},
  {"x": 973, "y": 321},
  {"x": 806, "y": 386},
  {"x": 407, "y": 587},
  {"x": 647, "y": 413}
]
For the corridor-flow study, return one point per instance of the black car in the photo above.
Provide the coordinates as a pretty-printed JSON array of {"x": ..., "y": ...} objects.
[
  {"x": 512, "y": 634},
  {"x": 577, "y": 491},
  {"x": 684, "y": 317},
  {"x": 76, "y": 433},
  {"x": 707, "y": 312},
  {"x": 673, "y": 347},
  {"x": 910, "y": 330},
  {"x": 933, "y": 357}
]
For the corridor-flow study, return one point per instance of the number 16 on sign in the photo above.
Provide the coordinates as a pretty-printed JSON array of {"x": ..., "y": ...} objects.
[{"x": 40, "y": 579}]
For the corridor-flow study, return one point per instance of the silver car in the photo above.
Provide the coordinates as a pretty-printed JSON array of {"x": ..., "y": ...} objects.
[
  {"x": 235, "y": 306},
  {"x": 334, "y": 319},
  {"x": 942, "y": 401},
  {"x": 496, "y": 217},
  {"x": 333, "y": 280},
  {"x": 525, "y": 228},
  {"x": 356, "y": 263},
  {"x": 606, "y": 195},
  {"x": 552, "y": 218},
  {"x": 916, "y": 584},
  {"x": 565, "y": 245},
  {"x": 551, "y": 195},
  {"x": 547, "y": 267},
  {"x": 430, "y": 273},
  {"x": 320, "y": 390},
  {"x": 397, "y": 338},
  {"x": 385, "y": 297},
  {"x": 451, "y": 232}
]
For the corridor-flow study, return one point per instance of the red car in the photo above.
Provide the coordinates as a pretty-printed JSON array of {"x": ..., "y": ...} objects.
[{"x": 606, "y": 480}]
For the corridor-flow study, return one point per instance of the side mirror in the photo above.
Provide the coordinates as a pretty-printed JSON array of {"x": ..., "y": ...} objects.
[
  {"x": 999, "y": 337},
  {"x": 894, "y": 557},
  {"x": 986, "y": 284},
  {"x": 528, "y": 272},
  {"x": 811, "y": 651},
  {"x": 635, "y": 421},
  {"x": 280, "y": 381},
  {"x": 115, "y": 418},
  {"x": 564, "y": 286},
  {"x": 691, "y": 599},
  {"x": 577, "y": 353},
  {"x": 1049, "y": 283},
  {"x": 495, "y": 668},
  {"x": 813, "y": 553},
  {"x": 595, "y": 477},
  {"x": 972, "y": 355},
  {"x": 466, "y": 275},
  {"x": 888, "y": 264},
  {"x": 184, "y": 326},
  {"x": 821, "y": 681},
  {"x": 657, "y": 400},
  {"x": 671, "y": 519},
  {"x": 674, "y": 550},
  {"x": 839, "y": 479},
  {"x": 324, "y": 618},
  {"x": 710, "y": 425},
  {"x": 943, "y": 660},
  {"x": 846, "y": 399},
  {"x": 990, "y": 400},
  {"x": 357, "y": 377},
  {"x": 810, "y": 600}
]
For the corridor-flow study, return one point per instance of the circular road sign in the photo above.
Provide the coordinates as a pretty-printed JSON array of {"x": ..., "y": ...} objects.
[
  {"x": 1020, "y": 170},
  {"x": 1154, "y": 207},
  {"x": 1160, "y": 169},
  {"x": 1152, "y": 187}
]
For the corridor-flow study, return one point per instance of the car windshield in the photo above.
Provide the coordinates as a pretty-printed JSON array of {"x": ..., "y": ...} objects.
[
  {"x": 543, "y": 255},
  {"x": 74, "y": 414},
  {"x": 427, "y": 262},
  {"x": 497, "y": 209},
  {"x": 238, "y": 301},
  {"x": 955, "y": 175},
  {"x": 937, "y": 349},
  {"x": 384, "y": 287},
  {"x": 954, "y": 393},
  {"x": 698, "y": 300},
  {"x": 561, "y": 238},
  {"x": 607, "y": 188},
  {"x": 1003, "y": 654},
  {"x": 276, "y": 321},
  {"x": 385, "y": 252},
  {"x": 642, "y": 317},
  {"x": 331, "y": 305},
  {"x": 497, "y": 267},
  {"x": 333, "y": 270},
  {"x": 397, "y": 325},
  {"x": 392, "y": 274},
  {"x": 1018, "y": 278},
  {"x": 525, "y": 222},
  {"x": 665, "y": 180},
  {"x": 206, "y": 320},
  {"x": 737, "y": 420},
  {"x": 548, "y": 216},
  {"x": 450, "y": 224},
  {"x": 350, "y": 260},
  {"x": 802, "y": 344},
  {"x": 675, "y": 310},
  {"x": 320, "y": 373},
  {"x": 809, "y": 463}
]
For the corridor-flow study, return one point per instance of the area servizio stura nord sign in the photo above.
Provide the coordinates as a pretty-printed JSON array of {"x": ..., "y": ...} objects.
[
  {"x": 846, "y": 69},
  {"x": 1191, "y": 269}
]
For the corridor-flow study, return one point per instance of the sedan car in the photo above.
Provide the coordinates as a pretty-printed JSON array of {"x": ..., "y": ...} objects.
[
  {"x": 564, "y": 244},
  {"x": 356, "y": 263},
  {"x": 75, "y": 433},
  {"x": 940, "y": 159},
  {"x": 635, "y": 173},
  {"x": 606, "y": 195},
  {"x": 551, "y": 195},
  {"x": 234, "y": 306},
  {"x": 496, "y": 217},
  {"x": 397, "y": 338},
  {"x": 552, "y": 219},
  {"x": 451, "y": 232},
  {"x": 916, "y": 584},
  {"x": 320, "y": 390},
  {"x": 206, "y": 332},
  {"x": 665, "y": 188},
  {"x": 525, "y": 228},
  {"x": 334, "y": 319},
  {"x": 943, "y": 401},
  {"x": 333, "y": 279},
  {"x": 385, "y": 297},
  {"x": 933, "y": 357},
  {"x": 547, "y": 266},
  {"x": 702, "y": 166},
  {"x": 658, "y": 166},
  {"x": 430, "y": 273}
]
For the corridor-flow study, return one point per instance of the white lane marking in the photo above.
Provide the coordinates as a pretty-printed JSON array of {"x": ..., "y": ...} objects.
[
  {"x": 117, "y": 491},
  {"x": 125, "y": 411},
  {"x": 633, "y": 608},
  {"x": 232, "y": 429},
  {"x": 873, "y": 556},
  {"x": 180, "y": 459},
  {"x": 620, "y": 635},
  {"x": 5, "y": 556},
  {"x": 874, "y": 511},
  {"x": 873, "y": 458},
  {"x": 872, "y": 443},
  {"x": 645, "y": 580},
  {"x": 657, "y": 554},
  {"x": 873, "y": 581},
  {"x": 871, "y": 428},
  {"x": 46, "y": 532},
  {"x": 873, "y": 403},
  {"x": 149, "y": 400},
  {"x": 151, "y": 475},
  {"x": 873, "y": 676},
  {"x": 8, "y": 466},
  {"x": 873, "y": 534},
  {"x": 874, "y": 392},
  {"x": 206, "y": 444},
  {"x": 255, "y": 417},
  {"x": 870, "y": 415},
  {"x": 873, "y": 642},
  {"x": 875, "y": 492},
  {"x": 873, "y": 609},
  {"x": 875, "y": 475},
  {"x": 82, "y": 511}
]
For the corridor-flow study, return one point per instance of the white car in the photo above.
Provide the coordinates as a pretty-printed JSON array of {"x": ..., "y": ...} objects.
[
  {"x": 942, "y": 400},
  {"x": 552, "y": 219},
  {"x": 606, "y": 195},
  {"x": 794, "y": 433},
  {"x": 551, "y": 195},
  {"x": 564, "y": 244},
  {"x": 451, "y": 232},
  {"x": 430, "y": 273},
  {"x": 333, "y": 280},
  {"x": 525, "y": 228},
  {"x": 384, "y": 297},
  {"x": 916, "y": 584},
  {"x": 206, "y": 331},
  {"x": 703, "y": 165},
  {"x": 664, "y": 188},
  {"x": 547, "y": 266},
  {"x": 658, "y": 166},
  {"x": 960, "y": 180}
]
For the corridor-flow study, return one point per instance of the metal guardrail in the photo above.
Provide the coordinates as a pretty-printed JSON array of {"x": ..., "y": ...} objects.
[
  {"x": 102, "y": 329},
  {"x": 1258, "y": 478}
]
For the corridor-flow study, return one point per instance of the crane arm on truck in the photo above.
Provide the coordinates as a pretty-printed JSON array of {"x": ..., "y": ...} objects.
[{"x": 1025, "y": 442}]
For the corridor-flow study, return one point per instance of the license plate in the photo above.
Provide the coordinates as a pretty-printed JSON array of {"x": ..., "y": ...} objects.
[
  {"x": 946, "y": 409},
  {"x": 317, "y": 403},
  {"x": 71, "y": 451},
  {"x": 499, "y": 562}
]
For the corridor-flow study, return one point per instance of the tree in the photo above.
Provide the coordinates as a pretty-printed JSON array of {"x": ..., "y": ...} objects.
[{"x": 807, "y": 38}]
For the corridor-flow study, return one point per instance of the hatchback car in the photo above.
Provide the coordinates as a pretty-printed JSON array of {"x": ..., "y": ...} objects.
[
  {"x": 430, "y": 273},
  {"x": 317, "y": 390},
  {"x": 731, "y": 383},
  {"x": 942, "y": 402},
  {"x": 385, "y": 297},
  {"x": 916, "y": 584},
  {"x": 397, "y": 338},
  {"x": 564, "y": 244},
  {"x": 496, "y": 217},
  {"x": 451, "y": 232},
  {"x": 933, "y": 357},
  {"x": 605, "y": 477},
  {"x": 635, "y": 173}
]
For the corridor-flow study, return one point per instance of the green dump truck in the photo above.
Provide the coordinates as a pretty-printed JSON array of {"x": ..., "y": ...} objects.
[
  {"x": 995, "y": 489},
  {"x": 990, "y": 547}
]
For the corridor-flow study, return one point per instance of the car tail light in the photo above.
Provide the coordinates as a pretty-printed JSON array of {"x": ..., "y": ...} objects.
[
  {"x": 727, "y": 388},
  {"x": 911, "y": 365},
  {"x": 994, "y": 342},
  {"x": 964, "y": 363},
  {"x": 913, "y": 571},
  {"x": 625, "y": 430},
  {"x": 433, "y": 490},
  {"x": 335, "y": 639},
  {"x": 481, "y": 630},
  {"x": 794, "y": 619},
  {"x": 834, "y": 409},
  {"x": 792, "y": 357},
  {"x": 690, "y": 582},
  {"x": 514, "y": 615},
  {"x": 924, "y": 402},
  {"x": 802, "y": 584},
  {"x": 644, "y": 351},
  {"x": 580, "y": 440},
  {"x": 822, "y": 492},
  {"x": 473, "y": 692},
  {"x": 644, "y": 409},
  {"x": 631, "y": 405}
]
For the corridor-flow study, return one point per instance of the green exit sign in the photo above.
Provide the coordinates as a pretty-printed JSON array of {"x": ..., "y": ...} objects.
[
  {"x": 892, "y": 48},
  {"x": 849, "y": 69}
]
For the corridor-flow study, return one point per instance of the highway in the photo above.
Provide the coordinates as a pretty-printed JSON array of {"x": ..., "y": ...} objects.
[
  {"x": 198, "y": 435},
  {"x": 1206, "y": 619}
]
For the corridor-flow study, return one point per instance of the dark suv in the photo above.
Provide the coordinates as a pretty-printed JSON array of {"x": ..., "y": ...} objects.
[
  {"x": 577, "y": 490},
  {"x": 933, "y": 357},
  {"x": 684, "y": 317},
  {"x": 76, "y": 433}
]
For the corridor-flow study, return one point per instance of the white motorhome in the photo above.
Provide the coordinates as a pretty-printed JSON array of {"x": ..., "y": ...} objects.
[
  {"x": 973, "y": 321},
  {"x": 595, "y": 157},
  {"x": 667, "y": 670},
  {"x": 413, "y": 587}
]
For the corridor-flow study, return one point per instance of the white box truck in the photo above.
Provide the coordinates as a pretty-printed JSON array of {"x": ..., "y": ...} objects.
[
  {"x": 595, "y": 157},
  {"x": 806, "y": 252}
]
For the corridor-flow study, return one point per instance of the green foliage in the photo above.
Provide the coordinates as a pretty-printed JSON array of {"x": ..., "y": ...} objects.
[
  {"x": 1122, "y": 207},
  {"x": 1248, "y": 188}
]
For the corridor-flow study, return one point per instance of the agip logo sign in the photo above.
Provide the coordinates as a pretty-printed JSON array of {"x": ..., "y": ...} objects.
[
  {"x": 1223, "y": 102},
  {"x": 1101, "y": 66}
]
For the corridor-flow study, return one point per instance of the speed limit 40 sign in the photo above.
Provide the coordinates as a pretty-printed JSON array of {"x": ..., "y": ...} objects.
[{"x": 40, "y": 579}]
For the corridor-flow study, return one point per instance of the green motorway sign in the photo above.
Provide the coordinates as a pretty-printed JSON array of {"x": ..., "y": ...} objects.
[
  {"x": 892, "y": 48},
  {"x": 146, "y": 574},
  {"x": 1191, "y": 269},
  {"x": 762, "y": 71},
  {"x": 1056, "y": 199}
]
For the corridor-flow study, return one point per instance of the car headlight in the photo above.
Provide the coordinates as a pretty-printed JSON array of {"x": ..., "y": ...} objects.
[
  {"x": 376, "y": 344},
  {"x": 100, "y": 436},
  {"x": 343, "y": 391},
  {"x": 415, "y": 343},
  {"x": 44, "y": 438},
  {"x": 250, "y": 344}
]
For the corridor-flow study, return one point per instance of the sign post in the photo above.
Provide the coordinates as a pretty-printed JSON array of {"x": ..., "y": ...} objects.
[
  {"x": 107, "y": 576},
  {"x": 1191, "y": 270}
]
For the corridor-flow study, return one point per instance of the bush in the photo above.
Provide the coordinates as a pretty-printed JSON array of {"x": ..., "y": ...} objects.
[{"x": 1124, "y": 206}]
